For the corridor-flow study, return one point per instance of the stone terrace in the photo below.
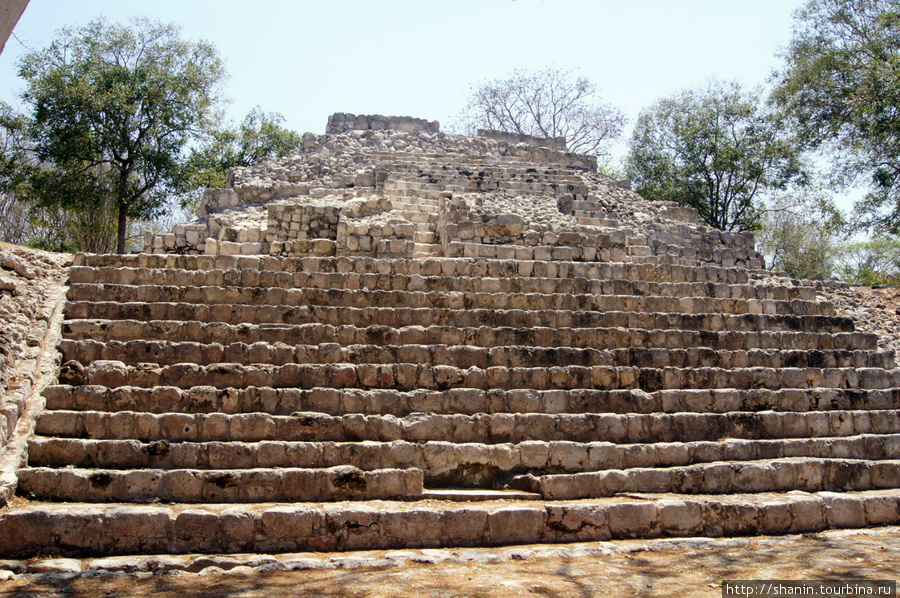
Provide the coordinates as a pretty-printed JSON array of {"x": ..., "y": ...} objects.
[{"x": 402, "y": 338}]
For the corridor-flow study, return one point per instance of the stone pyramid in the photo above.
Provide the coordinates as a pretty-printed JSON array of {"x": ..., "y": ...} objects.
[{"x": 406, "y": 338}]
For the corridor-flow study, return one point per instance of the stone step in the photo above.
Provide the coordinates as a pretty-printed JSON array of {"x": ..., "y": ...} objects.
[
  {"x": 223, "y": 485},
  {"x": 478, "y": 494},
  {"x": 76, "y": 529},
  {"x": 421, "y": 216},
  {"x": 427, "y": 249},
  {"x": 459, "y": 428},
  {"x": 424, "y": 205},
  {"x": 399, "y": 317},
  {"x": 309, "y": 297},
  {"x": 447, "y": 464},
  {"x": 284, "y": 401},
  {"x": 768, "y": 475},
  {"x": 435, "y": 283},
  {"x": 409, "y": 376},
  {"x": 599, "y": 338},
  {"x": 527, "y": 185},
  {"x": 424, "y": 236},
  {"x": 427, "y": 267},
  {"x": 459, "y": 356},
  {"x": 413, "y": 195},
  {"x": 604, "y": 253}
]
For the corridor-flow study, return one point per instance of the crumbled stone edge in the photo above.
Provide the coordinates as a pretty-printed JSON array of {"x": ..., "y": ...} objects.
[{"x": 37, "y": 370}]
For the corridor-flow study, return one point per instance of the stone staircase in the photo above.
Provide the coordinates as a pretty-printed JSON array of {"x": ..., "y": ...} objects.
[
  {"x": 480, "y": 341},
  {"x": 225, "y": 403}
]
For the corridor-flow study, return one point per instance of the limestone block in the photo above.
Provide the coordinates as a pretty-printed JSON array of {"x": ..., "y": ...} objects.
[
  {"x": 807, "y": 513},
  {"x": 192, "y": 524},
  {"x": 516, "y": 525},
  {"x": 414, "y": 527},
  {"x": 288, "y": 522},
  {"x": 680, "y": 518},
  {"x": 843, "y": 510},
  {"x": 228, "y": 248},
  {"x": 632, "y": 520},
  {"x": 464, "y": 525},
  {"x": 881, "y": 510}
]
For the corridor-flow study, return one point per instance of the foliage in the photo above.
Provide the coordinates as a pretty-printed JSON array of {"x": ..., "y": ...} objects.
[
  {"x": 113, "y": 108},
  {"x": 872, "y": 263},
  {"x": 545, "y": 103},
  {"x": 840, "y": 89},
  {"x": 715, "y": 150},
  {"x": 259, "y": 135},
  {"x": 15, "y": 223},
  {"x": 799, "y": 233}
]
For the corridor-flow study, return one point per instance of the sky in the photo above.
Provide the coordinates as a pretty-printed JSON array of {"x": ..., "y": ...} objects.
[{"x": 307, "y": 59}]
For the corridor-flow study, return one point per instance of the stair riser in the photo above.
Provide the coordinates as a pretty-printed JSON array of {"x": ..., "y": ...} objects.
[
  {"x": 443, "y": 463},
  {"x": 462, "y": 357},
  {"x": 619, "y": 429},
  {"x": 228, "y": 486},
  {"x": 411, "y": 376},
  {"x": 807, "y": 475},
  {"x": 284, "y": 401},
  {"x": 289, "y": 528},
  {"x": 407, "y": 299},
  {"x": 398, "y": 317},
  {"x": 595, "y": 338},
  {"x": 397, "y": 282},
  {"x": 463, "y": 267}
]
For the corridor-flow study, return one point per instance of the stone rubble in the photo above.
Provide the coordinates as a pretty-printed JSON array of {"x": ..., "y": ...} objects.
[
  {"x": 414, "y": 191},
  {"x": 30, "y": 282}
]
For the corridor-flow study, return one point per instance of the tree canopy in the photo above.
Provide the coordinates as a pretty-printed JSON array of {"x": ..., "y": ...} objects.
[
  {"x": 840, "y": 90},
  {"x": 715, "y": 150},
  {"x": 800, "y": 233},
  {"x": 546, "y": 103},
  {"x": 113, "y": 109},
  {"x": 259, "y": 135}
]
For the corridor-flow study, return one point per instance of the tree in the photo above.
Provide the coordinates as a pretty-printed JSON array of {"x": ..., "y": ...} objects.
[
  {"x": 259, "y": 135},
  {"x": 546, "y": 103},
  {"x": 799, "y": 233},
  {"x": 715, "y": 150},
  {"x": 15, "y": 223},
  {"x": 840, "y": 89},
  {"x": 872, "y": 263},
  {"x": 113, "y": 109}
]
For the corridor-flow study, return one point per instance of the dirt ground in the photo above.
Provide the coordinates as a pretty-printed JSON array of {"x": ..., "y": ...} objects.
[{"x": 651, "y": 568}]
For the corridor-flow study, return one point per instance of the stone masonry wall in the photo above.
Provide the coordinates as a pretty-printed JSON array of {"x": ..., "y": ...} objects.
[{"x": 341, "y": 123}]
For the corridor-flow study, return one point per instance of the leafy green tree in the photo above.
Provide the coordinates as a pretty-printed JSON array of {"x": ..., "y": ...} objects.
[
  {"x": 259, "y": 135},
  {"x": 799, "y": 233},
  {"x": 113, "y": 109},
  {"x": 15, "y": 223},
  {"x": 715, "y": 150},
  {"x": 875, "y": 262},
  {"x": 840, "y": 89},
  {"x": 545, "y": 103}
]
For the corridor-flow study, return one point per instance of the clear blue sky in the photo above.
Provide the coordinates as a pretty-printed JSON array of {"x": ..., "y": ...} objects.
[{"x": 307, "y": 59}]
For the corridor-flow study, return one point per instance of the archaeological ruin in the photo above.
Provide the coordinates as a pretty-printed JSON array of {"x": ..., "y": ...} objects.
[{"x": 402, "y": 337}]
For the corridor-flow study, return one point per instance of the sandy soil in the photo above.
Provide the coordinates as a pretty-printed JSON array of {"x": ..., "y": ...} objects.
[{"x": 691, "y": 567}]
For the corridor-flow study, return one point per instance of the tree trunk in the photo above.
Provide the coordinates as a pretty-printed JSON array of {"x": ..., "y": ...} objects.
[{"x": 122, "y": 229}]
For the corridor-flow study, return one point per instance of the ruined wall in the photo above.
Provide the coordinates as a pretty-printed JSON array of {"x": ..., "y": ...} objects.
[
  {"x": 398, "y": 187},
  {"x": 557, "y": 143},
  {"x": 341, "y": 123}
]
